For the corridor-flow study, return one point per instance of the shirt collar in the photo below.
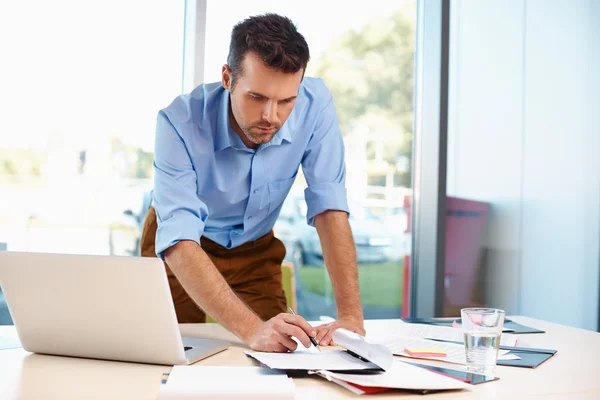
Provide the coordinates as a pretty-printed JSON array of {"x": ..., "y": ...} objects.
[{"x": 226, "y": 137}]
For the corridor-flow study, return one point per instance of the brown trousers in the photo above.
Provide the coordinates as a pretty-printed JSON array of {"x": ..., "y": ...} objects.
[{"x": 253, "y": 270}]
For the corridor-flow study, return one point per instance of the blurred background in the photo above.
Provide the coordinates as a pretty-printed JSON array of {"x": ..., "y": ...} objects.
[{"x": 521, "y": 178}]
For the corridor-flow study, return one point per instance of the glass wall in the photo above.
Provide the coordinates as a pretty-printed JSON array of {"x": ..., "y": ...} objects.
[
  {"x": 523, "y": 231},
  {"x": 366, "y": 57},
  {"x": 81, "y": 86}
]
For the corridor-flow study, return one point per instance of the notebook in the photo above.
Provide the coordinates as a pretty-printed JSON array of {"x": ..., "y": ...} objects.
[{"x": 215, "y": 382}]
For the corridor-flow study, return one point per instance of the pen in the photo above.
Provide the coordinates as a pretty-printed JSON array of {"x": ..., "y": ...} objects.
[{"x": 312, "y": 339}]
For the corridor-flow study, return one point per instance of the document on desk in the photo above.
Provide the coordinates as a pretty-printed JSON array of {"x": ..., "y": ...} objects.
[
  {"x": 361, "y": 354},
  {"x": 454, "y": 353},
  {"x": 400, "y": 376},
  {"x": 336, "y": 360},
  {"x": 424, "y": 331},
  {"x": 208, "y": 382}
]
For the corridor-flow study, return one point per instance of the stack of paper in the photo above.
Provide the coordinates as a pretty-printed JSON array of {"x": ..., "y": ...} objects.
[
  {"x": 400, "y": 376},
  {"x": 367, "y": 367},
  {"x": 362, "y": 354},
  {"x": 206, "y": 382},
  {"x": 335, "y": 360}
]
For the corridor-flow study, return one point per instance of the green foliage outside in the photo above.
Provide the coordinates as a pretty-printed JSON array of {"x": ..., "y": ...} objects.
[
  {"x": 133, "y": 161},
  {"x": 380, "y": 284},
  {"x": 21, "y": 162},
  {"x": 371, "y": 76},
  {"x": 369, "y": 71}
]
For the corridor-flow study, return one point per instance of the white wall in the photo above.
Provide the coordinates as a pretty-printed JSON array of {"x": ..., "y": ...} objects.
[{"x": 524, "y": 135}]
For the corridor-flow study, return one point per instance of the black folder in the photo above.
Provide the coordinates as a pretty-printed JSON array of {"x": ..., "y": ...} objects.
[
  {"x": 510, "y": 326},
  {"x": 530, "y": 357}
]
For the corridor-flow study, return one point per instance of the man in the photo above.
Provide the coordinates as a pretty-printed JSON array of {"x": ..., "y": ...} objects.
[{"x": 226, "y": 157}]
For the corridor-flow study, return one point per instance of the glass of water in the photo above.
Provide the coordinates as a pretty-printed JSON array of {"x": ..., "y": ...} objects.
[{"x": 482, "y": 328}]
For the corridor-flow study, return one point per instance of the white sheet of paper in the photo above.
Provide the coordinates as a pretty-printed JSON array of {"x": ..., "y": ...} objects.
[
  {"x": 208, "y": 382},
  {"x": 455, "y": 353},
  {"x": 401, "y": 376},
  {"x": 336, "y": 360},
  {"x": 424, "y": 331},
  {"x": 456, "y": 334},
  {"x": 505, "y": 357}
]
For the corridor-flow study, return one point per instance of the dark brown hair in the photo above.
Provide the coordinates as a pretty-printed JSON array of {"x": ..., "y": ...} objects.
[{"x": 273, "y": 38}]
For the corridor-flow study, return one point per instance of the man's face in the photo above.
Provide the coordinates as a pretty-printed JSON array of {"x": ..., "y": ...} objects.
[{"x": 261, "y": 100}]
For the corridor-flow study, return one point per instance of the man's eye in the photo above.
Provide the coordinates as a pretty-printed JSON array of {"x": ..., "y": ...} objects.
[{"x": 255, "y": 97}]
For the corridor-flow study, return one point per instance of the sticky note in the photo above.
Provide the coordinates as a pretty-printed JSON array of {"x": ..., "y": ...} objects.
[{"x": 424, "y": 352}]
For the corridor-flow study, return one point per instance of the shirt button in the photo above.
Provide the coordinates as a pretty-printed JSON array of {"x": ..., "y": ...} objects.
[
  {"x": 255, "y": 191},
  {"x": 250, "y": 217}
]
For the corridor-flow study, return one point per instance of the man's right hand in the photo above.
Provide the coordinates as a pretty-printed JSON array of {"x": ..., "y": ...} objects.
[{"x": 275, "y": 335}]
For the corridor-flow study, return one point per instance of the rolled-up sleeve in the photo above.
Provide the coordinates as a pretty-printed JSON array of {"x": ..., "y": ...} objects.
[
  {"x": 181, "y": 215},
  {"x": 324, "y": 167}
]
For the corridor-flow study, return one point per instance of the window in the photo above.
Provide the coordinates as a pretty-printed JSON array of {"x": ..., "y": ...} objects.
[
  {"x": 523, "y": 177},
  {"x": 79, "y": 100}
]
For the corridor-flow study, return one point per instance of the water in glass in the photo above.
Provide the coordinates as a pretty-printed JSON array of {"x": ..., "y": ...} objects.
[{"x": 481, "y": 351}]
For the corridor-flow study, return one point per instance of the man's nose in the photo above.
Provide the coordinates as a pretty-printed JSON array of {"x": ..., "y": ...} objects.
[{"x": 270, "y": 111}]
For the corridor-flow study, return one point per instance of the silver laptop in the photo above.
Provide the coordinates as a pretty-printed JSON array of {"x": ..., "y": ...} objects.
[{"x": 104, "y": 307}]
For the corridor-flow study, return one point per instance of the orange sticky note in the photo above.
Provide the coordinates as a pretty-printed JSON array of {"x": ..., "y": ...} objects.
[{"x": 424, "y": 352}]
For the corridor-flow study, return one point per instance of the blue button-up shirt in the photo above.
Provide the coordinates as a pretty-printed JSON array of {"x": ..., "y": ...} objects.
[{"x": 208, "y": 183}]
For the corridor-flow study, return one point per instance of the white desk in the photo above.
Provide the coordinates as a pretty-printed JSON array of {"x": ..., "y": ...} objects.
[{"x": 573, "y": 373}]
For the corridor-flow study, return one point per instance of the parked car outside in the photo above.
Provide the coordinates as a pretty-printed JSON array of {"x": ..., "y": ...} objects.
[
  {"x": 126, "y": 231},
  {"x": 376, "y": 240}
]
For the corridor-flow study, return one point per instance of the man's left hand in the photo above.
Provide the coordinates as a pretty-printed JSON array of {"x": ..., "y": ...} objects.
[{"x": 325, "y": 331}]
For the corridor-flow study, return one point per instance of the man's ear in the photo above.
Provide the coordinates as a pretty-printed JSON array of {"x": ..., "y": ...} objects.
[{"x": 226, "y": 77}]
